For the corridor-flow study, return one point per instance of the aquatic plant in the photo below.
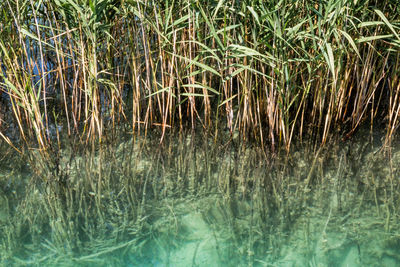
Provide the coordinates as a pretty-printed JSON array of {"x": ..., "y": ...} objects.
[
  {"x": 76, "y": 76},
  {"x": 273, "y": 71}
]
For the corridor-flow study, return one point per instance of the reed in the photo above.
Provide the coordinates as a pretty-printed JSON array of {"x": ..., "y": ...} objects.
[
  {"x": 270, "y": 71},
  {"x": 77, "y": 72}
]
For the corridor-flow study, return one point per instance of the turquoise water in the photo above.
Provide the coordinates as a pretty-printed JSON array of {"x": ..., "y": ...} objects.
[{"x": 197, "y": 204}]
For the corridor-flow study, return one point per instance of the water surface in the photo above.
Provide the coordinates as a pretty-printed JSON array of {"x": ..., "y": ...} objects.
[{"x": 194, "y": 203}]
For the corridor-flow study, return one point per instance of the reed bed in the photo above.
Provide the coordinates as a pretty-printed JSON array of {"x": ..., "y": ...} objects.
[
  {"x": 269, "y": 71},
  {"x": 75, "y": 76}
]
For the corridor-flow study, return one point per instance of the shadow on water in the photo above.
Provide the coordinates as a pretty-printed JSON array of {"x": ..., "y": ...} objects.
[{"x": 191, "y": 202}]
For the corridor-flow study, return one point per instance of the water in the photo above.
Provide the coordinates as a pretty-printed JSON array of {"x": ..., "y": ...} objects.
[{"x": 192, "y": 203}]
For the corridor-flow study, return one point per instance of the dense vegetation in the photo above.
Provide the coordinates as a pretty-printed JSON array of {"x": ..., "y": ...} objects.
[{"x": 269, "y": 70}]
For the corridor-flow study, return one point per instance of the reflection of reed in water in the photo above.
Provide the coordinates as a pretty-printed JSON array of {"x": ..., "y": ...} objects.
[
  {"x": 1, "y": 113},
  {"x": 3, "y": 209},
  {"x": 191, "y": 203}
]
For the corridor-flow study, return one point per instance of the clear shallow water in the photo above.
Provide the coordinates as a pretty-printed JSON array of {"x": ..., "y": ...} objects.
[{"x": 199, "y": 205}]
